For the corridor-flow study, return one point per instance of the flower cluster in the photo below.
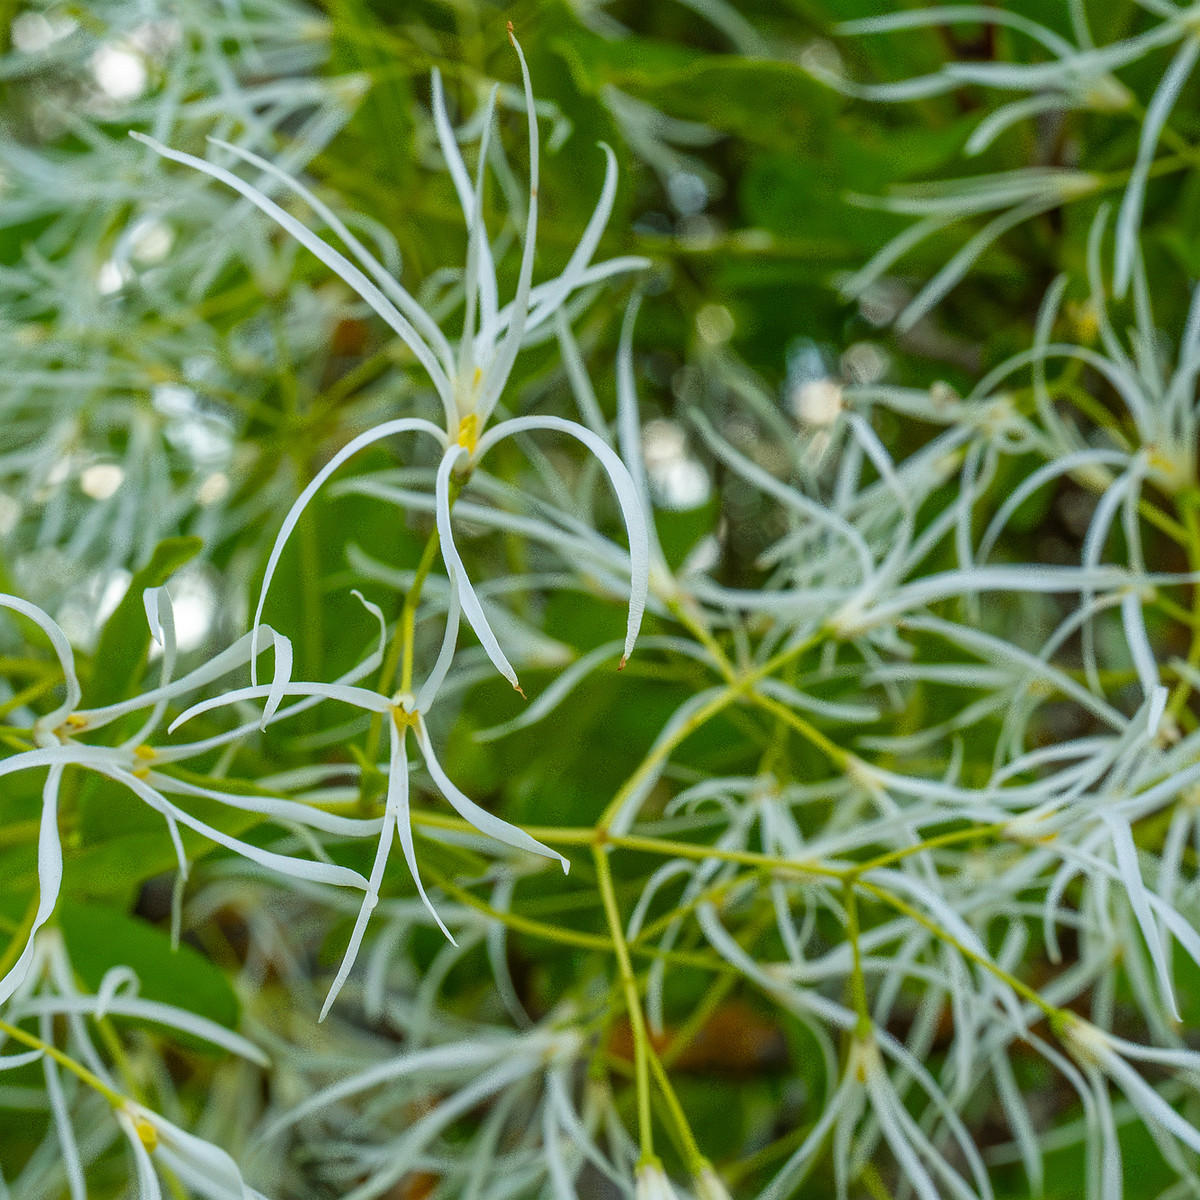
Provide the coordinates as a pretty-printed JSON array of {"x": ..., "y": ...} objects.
[{"x": 890, "y": 820}]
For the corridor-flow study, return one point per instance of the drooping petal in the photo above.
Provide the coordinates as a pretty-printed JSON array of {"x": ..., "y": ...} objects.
[
  {"x": 1129, "y": 218},
  {"x": 295, "y": 868},
  {"x": 403, "y": 300},
  {"x": 884, "y": 1106},
  {"x": 369, "y": 901},
  {"x": 1154, "y": 693},
  {"x": 437, "y": 676},
  {"x": 281, "y": 810},
  {"x": 160, "y": 615},
  {"x": 282, "y": 677},
  {"x": 497, "y": 371},
  {"x": 398, "y": 778},
  {"x": 135, "y": 1007},
  {"x": 148, "y": 1186},
  {"x": 377, "y": 613},
  {"x": 627, "y": 496},
  {"x": 50, "y": 871},
  {"x": 961, "y": 262},
  {"x": 995, "y": 123},
  {"x": 1149, "y": 1104},
  {"x": 207, "y": 1164},
  {"x": 580, "y": 381},
  {"x": 399, "y": 425},
  {"x": 333, "y": 259},
  {"x": 1125, "y": 852},
  {"x": 471, "y": 607},
  {"x": 468, "y": 1055},
  {"x": 466, "y": 808},
  {"x": 68, "y": 1145},
  {"x": 945, "y": 14},
  {"x": 62, "y": 650},
  {"x": 1037, "y": 479}
]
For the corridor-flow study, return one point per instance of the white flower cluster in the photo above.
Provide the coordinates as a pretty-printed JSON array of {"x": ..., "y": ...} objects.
[
  {"x": 1063, "y": 75},
  {"x": 956, "y": 851}
]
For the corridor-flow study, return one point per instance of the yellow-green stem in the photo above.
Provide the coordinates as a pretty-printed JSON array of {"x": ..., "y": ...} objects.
[
  {"x": 64, "y": 1060},
  {"x": 637, "y": 1022}
]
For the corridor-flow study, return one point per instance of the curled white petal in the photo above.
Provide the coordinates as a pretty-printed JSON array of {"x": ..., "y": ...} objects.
[
  {"x": 62, "y": 650},
  {"x": 484, "y": 821},
  {"x": 471, "y": 608},
  {"x": 627, "y": 496}
]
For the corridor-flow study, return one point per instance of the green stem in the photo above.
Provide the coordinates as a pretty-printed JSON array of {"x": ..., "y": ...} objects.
[
  {"x": 64, "y": 1060},
  {"x": 637, "y": 1023},
  {"x": 858, "y": 981},
  {"x": 694, "y": 1161},
  {"x": 1022, "y": 989}
]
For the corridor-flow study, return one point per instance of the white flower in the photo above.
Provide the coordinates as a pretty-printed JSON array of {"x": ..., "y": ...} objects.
[
  {"x": 1101, "y": 1054},
  {"x": 708, "y": 1185},
  {"x": 134, "y": 763},
  {"x": 198, "y": 1164},
  {"x": 653, "y": 1184},
  {"x": 469, "y": 378},
  {"x": 1078, "y": 77},
  {"x": 403, "y": 712}
]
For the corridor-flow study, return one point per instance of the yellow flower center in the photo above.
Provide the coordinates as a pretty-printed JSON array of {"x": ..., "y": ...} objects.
[
  {"x": 146, "y": 1132},
  {"x": 468, "y": 432}
]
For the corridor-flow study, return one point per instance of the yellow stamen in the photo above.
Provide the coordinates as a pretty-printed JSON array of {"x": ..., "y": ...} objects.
[
  {"x": 468, "y": 432},
  {"x": 146, "y": 1132},
  {"x": 146, "y": 754},
  {"x": 402, "y": 718}
]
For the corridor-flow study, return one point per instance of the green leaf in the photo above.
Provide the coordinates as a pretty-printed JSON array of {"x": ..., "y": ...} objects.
[
  {"x": 99, "y": 938},
  {"x": 125, "y": 640}
]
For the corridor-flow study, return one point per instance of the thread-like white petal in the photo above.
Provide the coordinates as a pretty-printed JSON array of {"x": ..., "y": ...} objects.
[
  {"x": 488, "y": 295},
  {"x": 949, "y": 14},
  {"x": 359, "y": 697},
  {"x": 1144, "y": 662},
  {"x": 67, "y": 1143},
  {"x": 627, "y": 496},
  {"x": 219, "y": 665},
  {"x": 498, "y": 370},
  {"x": 377, "y": 613},
  {"x": 1007, "y": 115},
  {"x": 148, "y": 1186},
  {"x": 135, "y": 1007},
  {"x": 430, "y": 688},
  {"x": 50, "y": 872},
  {"x": 421, "y": 320},
  {"x": 11, "y": 1062},
  {"x": 558, "y": 289},
  {"x": 398, "y": 772},
  {"x": 62, "y": 650},
  {"x": 471, "y": 608},
  {"x": 464, "y": 1055},
  {"x": 1125, "y": 852},
  {"x": 295, "y": 868},
  {"x": 387, "y": 429},
  {"x": 1129, "y": 219},
  {"x": 333, "y": 259},
  {"x": 466, "y": 808}
]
